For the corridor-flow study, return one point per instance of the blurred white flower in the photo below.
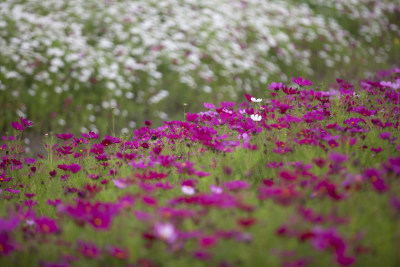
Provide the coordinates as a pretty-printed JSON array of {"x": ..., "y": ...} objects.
[
  {"x": 166, "y": 232},
  {"x": 188, "y": 190},
  {"x": 255, "y": 117},
  {"x": 256, "y": 100}
]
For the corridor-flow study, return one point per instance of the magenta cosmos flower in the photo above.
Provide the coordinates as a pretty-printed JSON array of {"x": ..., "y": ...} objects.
[
  {"x": 26, "y": 122},
  {"x": 301, "y": 82},
  {"x": 46, "y": 225},
  {"x": 65, "y": 136},
  {"x": 90, "y": 135},
  {"x": 73, "y": 167},
  {"x": 17, "y": 126}
]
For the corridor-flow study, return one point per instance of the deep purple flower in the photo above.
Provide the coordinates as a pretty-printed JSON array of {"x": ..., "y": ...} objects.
[
  {"x": 354, "y": 121},
  {"x": 384, "y": 135},
  {"x": 72, "y": 167},
  {"x": 29, "y": 161}
]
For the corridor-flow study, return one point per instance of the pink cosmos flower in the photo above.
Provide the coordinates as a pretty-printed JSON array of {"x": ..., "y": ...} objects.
[
  {"x": 275, "y": 86},
  {"x": 46, "y": 225},
  {"x": 166, "y": 232},
  {"x": 17, "y": 126},
  {"x": 208, "y": 241},
  {"x": 118, "y": 252},
  {"x": 65, "y": 150},
  {"x": 26, "y": 122},
  {"x": 72, "y": 167},
  {"x": 9, "y": 224},
  {"x": 29, "y": 161},
  {"x": 236, "y": 185},
  {"x": 290, "y": 91},
  {"x": 13, "y": 191},
  {"x": 216, "y": 189},
  {"x": 89, "y": 250},
  {"x": 376, "y": 149},
  {"x": 65, "y": 136},
  {"x": 6, "y": 244},
  {"x": 301, "y": 82},
  {"x": 149, "y": 200},
  {"x": 385, "y": 135},
  {"x": 120, "y": 183},
  {"x": 209, "y": 105},
  {"x": 90, "y": 135},
  {"x": 101, "y": 216}
]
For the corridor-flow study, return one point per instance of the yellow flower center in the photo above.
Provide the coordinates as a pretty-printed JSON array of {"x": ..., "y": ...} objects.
[
  {"x": 120, "y": 255},
  {"x": 98, "y": 221},
  {"x": 45, "y": 228}
]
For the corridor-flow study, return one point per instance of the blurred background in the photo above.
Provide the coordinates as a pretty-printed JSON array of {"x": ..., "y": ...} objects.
[{"x": 106, "y": 66}]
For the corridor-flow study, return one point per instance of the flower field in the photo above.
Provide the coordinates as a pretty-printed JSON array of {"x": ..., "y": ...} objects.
[
  {"x": 127, "y": 61},
  {"x": 296, "y": 176}
]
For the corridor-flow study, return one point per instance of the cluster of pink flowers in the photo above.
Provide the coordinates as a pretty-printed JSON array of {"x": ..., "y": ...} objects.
[{"x": 183, "y": 187}]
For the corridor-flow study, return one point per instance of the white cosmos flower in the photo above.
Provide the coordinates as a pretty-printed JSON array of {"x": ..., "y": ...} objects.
[
  {"x": 257, "y": 100},
  {"x": 166, "y": 231},
  {"x": 216, "y": 189},
  {"x": 188, "y": 190},
  {"x": 255, "y": 117}
]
